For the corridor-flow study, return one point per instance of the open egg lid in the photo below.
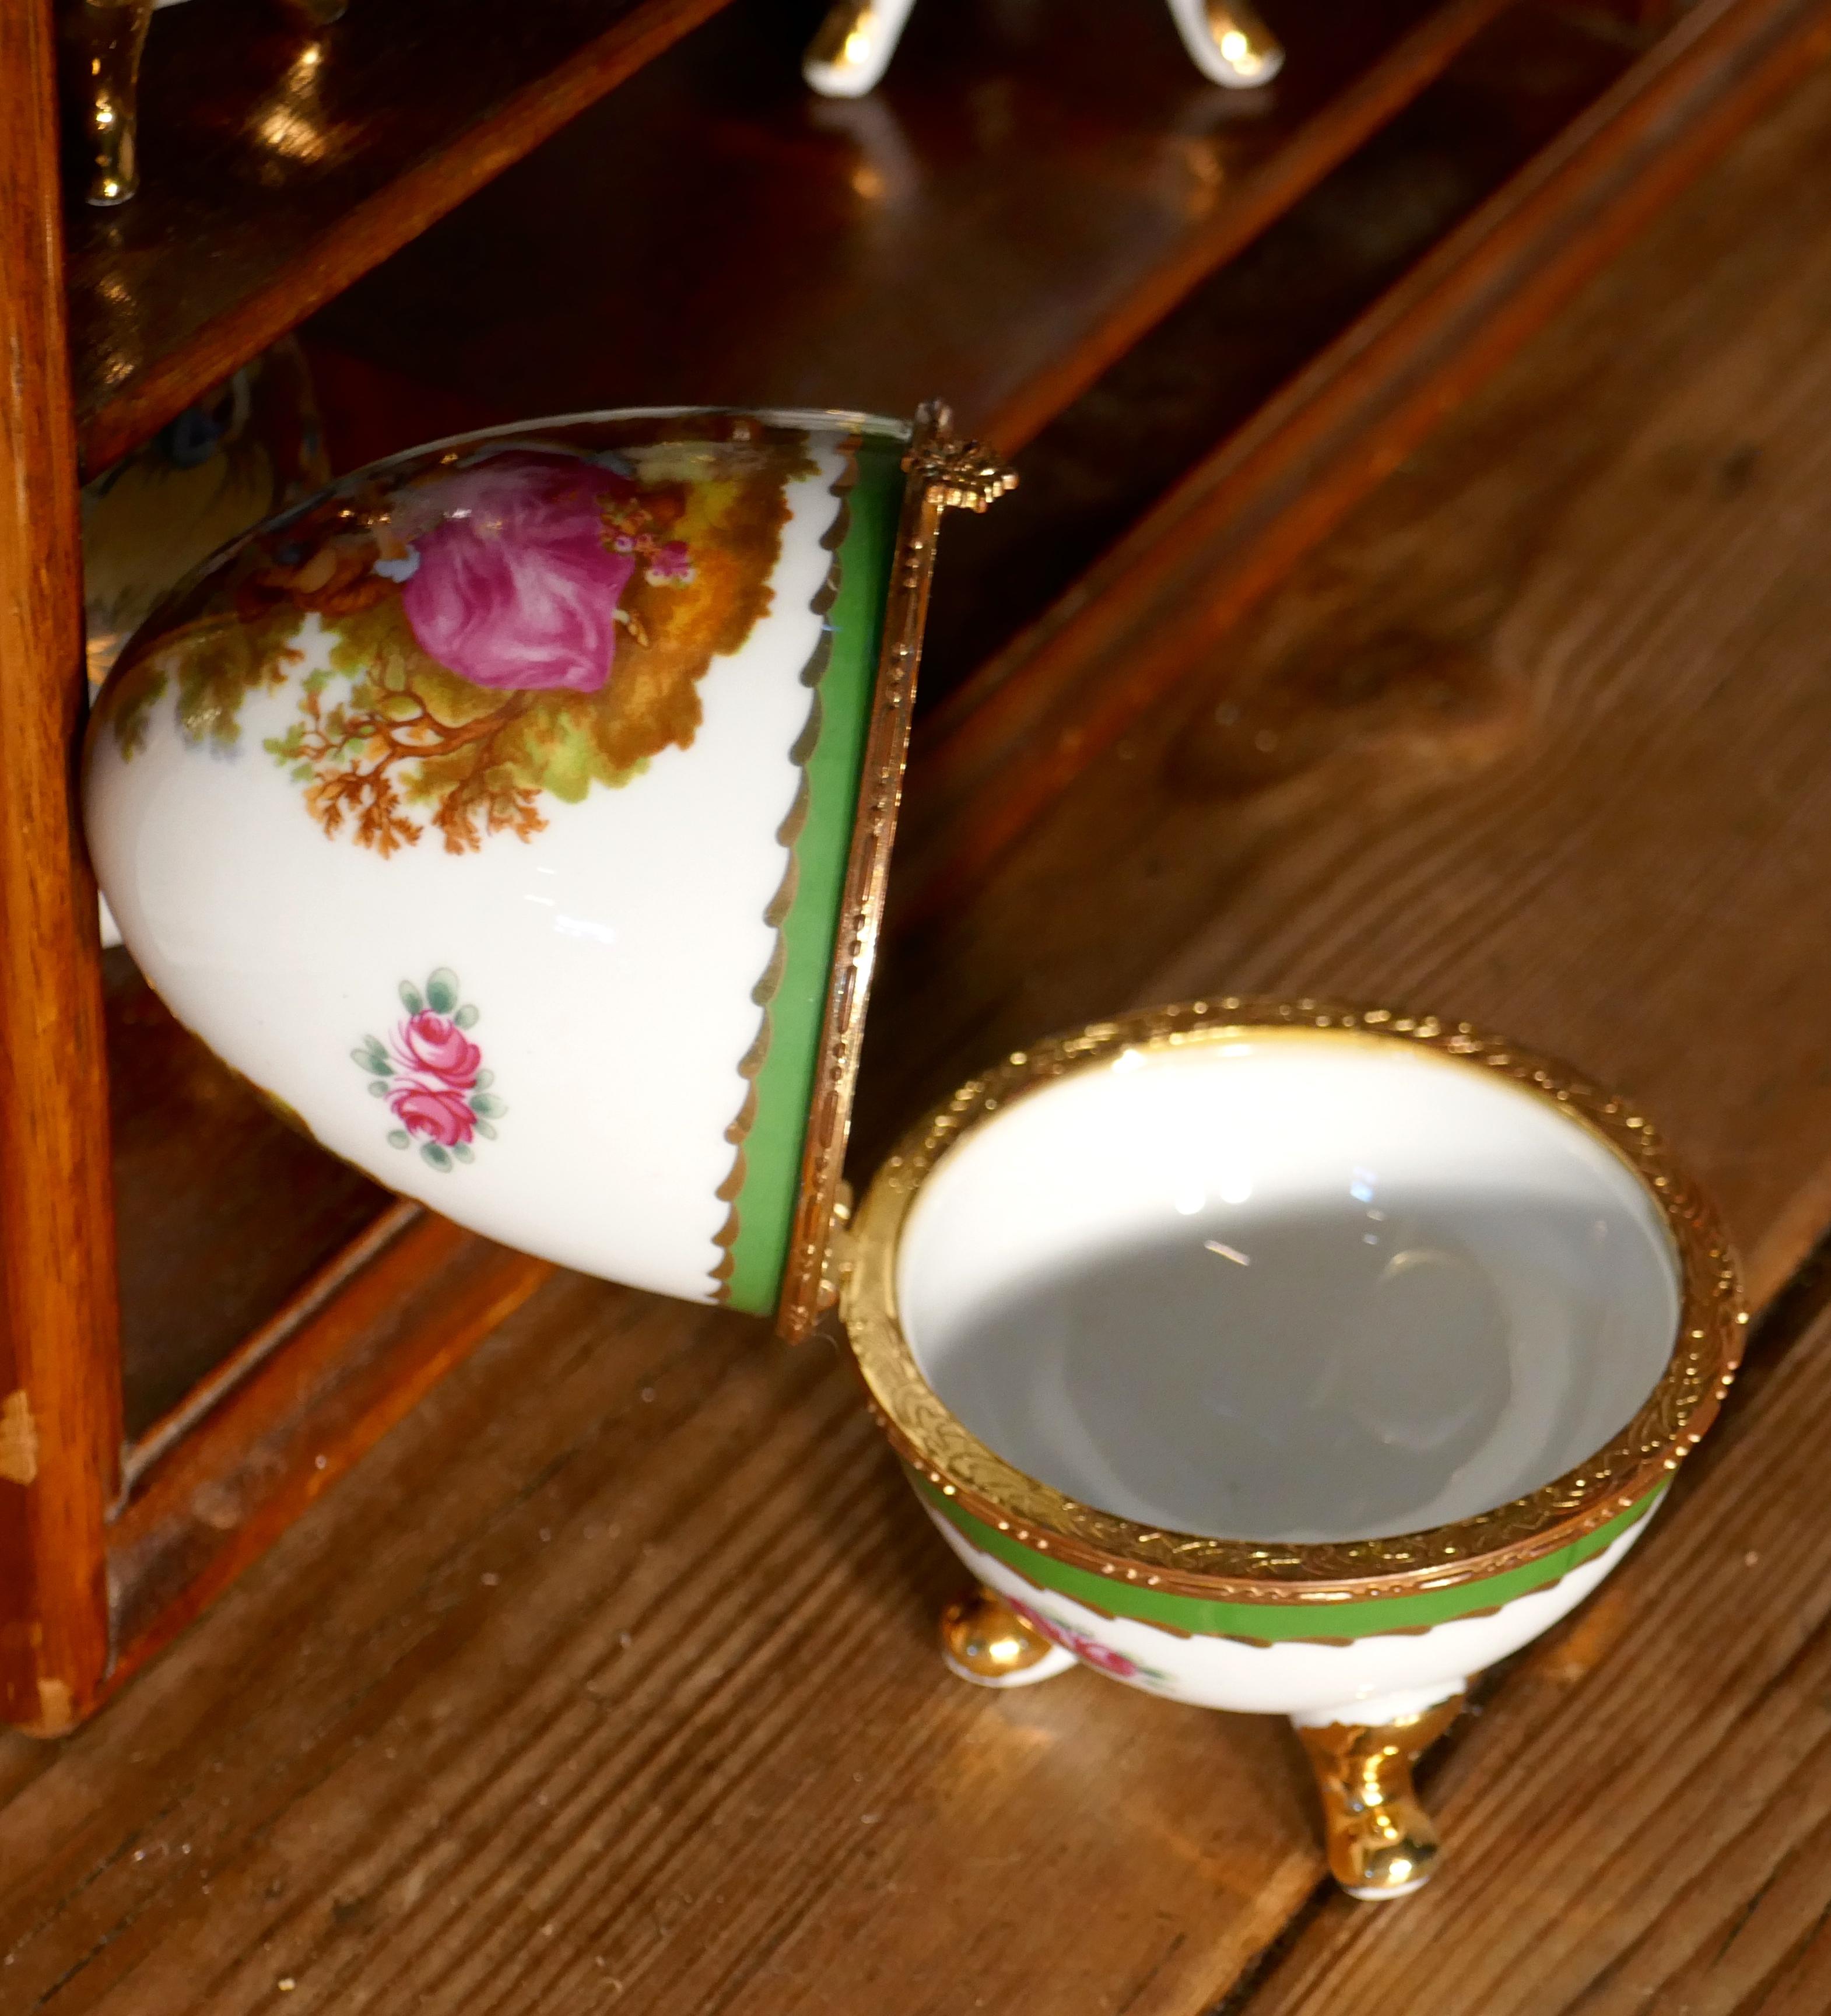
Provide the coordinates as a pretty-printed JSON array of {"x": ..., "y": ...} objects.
[{"x": 518, "y": 812}]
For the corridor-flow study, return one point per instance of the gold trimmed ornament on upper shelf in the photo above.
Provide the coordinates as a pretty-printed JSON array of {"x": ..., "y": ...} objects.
[{"x": 1226, "y": 40}]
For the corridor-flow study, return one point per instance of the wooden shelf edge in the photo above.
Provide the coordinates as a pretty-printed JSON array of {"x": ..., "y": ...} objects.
[
  {"x": 994, "y": 759},
  {"x": 219, "y": 1497},
  {"x": 218, "y": 1386},
  {"x": 1376, "y": 97},
  {"x": 368, "y": 232},
  {"x": 59, "y": 1336}
]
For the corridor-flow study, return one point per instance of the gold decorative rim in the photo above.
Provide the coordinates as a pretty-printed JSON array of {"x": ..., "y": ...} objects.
[
  {"x": 1670, "y": 1423},
  {"x": 945, "y": 474}
]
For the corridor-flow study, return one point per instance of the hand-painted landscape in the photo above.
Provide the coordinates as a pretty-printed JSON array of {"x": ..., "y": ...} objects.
[{"x": 509, "y": 619}]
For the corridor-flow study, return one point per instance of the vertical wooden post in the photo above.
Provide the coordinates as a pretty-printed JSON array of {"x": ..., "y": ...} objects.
[{"x": 60, "y": 1348}]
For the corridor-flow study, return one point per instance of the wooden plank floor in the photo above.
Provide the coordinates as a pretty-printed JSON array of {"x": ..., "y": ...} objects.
[
  {"x": 606, "y": 1680},
  {"x": 1643, "y": 1816}
]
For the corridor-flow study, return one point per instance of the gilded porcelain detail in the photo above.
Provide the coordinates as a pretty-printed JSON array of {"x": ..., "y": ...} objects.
[
  {"x": 1617, "y": 1477},
  {"x": 1089, "y": 1651},
  {"x": 476, "y": 630},
  {"x": 590, "y": 711},
  {"x": 1381, "y": 1843}
]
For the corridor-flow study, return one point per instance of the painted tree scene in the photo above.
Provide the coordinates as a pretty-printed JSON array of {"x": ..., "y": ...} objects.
[{"x": 505, "y": 618}]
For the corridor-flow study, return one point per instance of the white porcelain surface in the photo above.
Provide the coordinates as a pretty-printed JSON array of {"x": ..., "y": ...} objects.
[
  {"x": 1287, "y": 1288},
  {"x": 1310, "y": 1682},
  {"x": 603, "y": 972}
]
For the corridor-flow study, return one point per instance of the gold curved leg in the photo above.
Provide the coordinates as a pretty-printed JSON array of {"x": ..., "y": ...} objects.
[
  {"x": 1381, "y": 1843},
  {"x": 111, "y": 35},
  {"x": 1228, "y": 42},
  {"x": 984, "y": 1640}
]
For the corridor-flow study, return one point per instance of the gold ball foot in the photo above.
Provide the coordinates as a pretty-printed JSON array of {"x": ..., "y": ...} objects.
[
  {"x": 1382, "y": 1844},
  {"x": 985, "y": 1641}
]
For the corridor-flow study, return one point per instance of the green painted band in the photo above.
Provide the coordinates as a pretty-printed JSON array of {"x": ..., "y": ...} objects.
[
  {"x": 1197, "y": 1616},
  {"x": 772, "y": 1149}
]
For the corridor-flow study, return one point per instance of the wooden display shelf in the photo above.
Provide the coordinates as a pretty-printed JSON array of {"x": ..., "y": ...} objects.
[
  {"x": 1011, "y": 739},
  {"x": 610, "y": 1679},
  {"x": 1330, "y": 218},
  {"x": 1028, "y": 193},
  {"x": 967, "y": 230},
  {"x": 280, "y": 163},
  {"x": 258, "y": 1360}
]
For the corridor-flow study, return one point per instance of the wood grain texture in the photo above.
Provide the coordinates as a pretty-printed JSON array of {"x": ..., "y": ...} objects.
[
  {"x": 60, "y": 1371},
  {"x": 1027, "y": 193},
  {"x": 1536, "y": 740},
  {"x": 223, "y": 1210},
  {"x": 355, "y": 1358},
  {"x": 279, "y": 161},
  {"x": 1643, "y": 1822},
  {"x": 1204, "y": 371},
  {"x": 607, "y": 1681},
  {"x": 1015, "y": 734}
]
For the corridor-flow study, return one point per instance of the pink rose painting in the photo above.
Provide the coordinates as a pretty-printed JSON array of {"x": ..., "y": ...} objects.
[
  {"x": 518, "y": 585},
  {"x": 442, "y": 1116},
  {"x": 1089, "y": 1651},
  {"x": 431, "y": 1041},
  {"x": 432, "y": 1075}
]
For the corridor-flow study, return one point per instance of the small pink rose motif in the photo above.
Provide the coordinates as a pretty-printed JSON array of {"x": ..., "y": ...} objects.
[
  {"x": 1089, "y": 1651},
  {"x": 440, "y": 1114},
  {"x": 433, "y": 1043},
  {"x": 669, "y": 562},
  {"x": 433, "y": 1078},
  {"x": 1104, "y": 1657},
  {"x": 1056, "y": 1633}
]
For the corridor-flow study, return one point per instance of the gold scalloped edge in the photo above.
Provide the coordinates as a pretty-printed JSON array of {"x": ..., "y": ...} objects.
[
  {"x": 788, "y": 834},
  {"x": 1671, "y": 1422}
]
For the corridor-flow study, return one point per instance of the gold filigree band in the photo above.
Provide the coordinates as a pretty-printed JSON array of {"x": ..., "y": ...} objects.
[{"x": 1705, "y": 1353}]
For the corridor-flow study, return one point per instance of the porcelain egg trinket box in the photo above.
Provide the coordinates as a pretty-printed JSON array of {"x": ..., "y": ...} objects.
[
  {"x": 515, "y": 815},
  {"x": 1287, "y": 1358}
]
